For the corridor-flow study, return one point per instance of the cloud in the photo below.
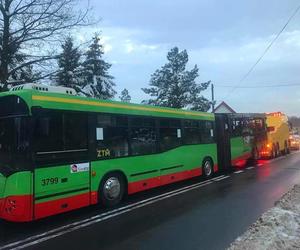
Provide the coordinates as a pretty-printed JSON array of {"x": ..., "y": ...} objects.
[
  {"x": 224, "y": 38},
  {"x": 284, "y": 49},
  {"x": 129, "y": 46},
  {"x": 121, "y": 40},
  {"x": 138, "y": 47}
]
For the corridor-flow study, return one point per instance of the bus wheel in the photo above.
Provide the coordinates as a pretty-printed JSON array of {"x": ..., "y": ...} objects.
[
  {"x": 207, "y": 168},
  {"x": 111, "y": 189}
]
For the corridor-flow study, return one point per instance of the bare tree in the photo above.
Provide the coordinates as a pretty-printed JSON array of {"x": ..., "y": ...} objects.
[{"x": 29, "y": 31}]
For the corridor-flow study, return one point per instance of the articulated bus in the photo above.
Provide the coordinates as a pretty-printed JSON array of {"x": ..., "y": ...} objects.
[{"x": 60, "y": 152}]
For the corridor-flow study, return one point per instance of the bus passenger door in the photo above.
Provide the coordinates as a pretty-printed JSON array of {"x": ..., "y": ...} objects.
[
  {"x": 223, "y": 141},
  {"x": 62, "y": 167}
]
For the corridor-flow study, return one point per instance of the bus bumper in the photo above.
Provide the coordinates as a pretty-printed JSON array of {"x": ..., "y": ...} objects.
[{"x": 16, "y": 208}]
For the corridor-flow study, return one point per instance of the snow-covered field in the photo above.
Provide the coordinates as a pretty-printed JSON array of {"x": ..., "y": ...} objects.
[{"x": 278, "y": 228}]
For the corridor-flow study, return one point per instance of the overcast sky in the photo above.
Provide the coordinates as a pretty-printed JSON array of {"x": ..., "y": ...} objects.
[{"x": 224, "y": 38}]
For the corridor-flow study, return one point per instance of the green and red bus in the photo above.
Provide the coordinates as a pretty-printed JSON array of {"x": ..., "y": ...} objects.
[{"x": 60, "y": 152}]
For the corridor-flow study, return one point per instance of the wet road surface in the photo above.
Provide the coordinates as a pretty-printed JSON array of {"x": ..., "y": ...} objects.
[{"x": 195, "y": 214}]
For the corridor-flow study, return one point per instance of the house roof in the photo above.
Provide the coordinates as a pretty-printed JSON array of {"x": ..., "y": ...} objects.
[{"x": 225, "y": 105}]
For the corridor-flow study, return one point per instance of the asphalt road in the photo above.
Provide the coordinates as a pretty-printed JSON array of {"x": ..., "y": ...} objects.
[{"x": 195, "y": 214}]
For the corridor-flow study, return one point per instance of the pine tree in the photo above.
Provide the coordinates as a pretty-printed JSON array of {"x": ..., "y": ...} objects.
[
  {"x": 125, "y": 97},
  {"x": 174, "y": 86},
  {"x": 69, "y": 66},
  {"x": 98, "y": 82}
]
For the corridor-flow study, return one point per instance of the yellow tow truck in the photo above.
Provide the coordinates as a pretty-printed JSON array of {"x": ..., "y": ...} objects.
[{"x": 277, "y": 142}]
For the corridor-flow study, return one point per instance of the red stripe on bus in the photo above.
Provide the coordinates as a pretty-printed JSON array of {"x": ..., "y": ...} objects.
[
  {"x": 142, "y": 185},
  {"x": 216, "y": 168},
  {"x": 1, "y": 204},
  {"x": 241, "y": 160},
  {"x": 94, "y": 197},
  {"x": 62, "y": 205},
  {"x": 16, "y": 208}
]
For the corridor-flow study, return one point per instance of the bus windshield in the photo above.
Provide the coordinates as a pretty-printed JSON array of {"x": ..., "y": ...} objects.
[
  {"x": 14, "y": 144},
  {"x": 14, "y": 135}
]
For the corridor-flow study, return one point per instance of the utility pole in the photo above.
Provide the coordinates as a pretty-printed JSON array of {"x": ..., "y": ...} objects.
[{"x": 212, "y": 98}]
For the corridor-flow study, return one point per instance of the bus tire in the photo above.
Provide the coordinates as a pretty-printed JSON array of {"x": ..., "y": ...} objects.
[
  {"x": 112, "y": 189},
  {"x": 207, "y": 168}
]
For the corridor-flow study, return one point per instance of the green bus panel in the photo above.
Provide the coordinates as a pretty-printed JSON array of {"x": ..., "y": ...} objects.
[
  {"x": 17, "y": 184},
  {"x": 181, "y": 158},
  {"x": 240, "y": 147},
  {"x": 58, "y": 182}
]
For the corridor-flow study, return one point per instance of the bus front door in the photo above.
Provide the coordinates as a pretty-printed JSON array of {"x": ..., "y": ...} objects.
[{"x": 223, "y": 141}]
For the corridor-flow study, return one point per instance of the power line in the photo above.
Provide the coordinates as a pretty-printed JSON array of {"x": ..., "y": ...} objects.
[
  {"x": 257, "y": 86},
  {"x": 265, "y": 51}
]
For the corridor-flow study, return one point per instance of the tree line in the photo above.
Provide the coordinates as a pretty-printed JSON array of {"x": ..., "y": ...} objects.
[{"x": 31, "y": 31}]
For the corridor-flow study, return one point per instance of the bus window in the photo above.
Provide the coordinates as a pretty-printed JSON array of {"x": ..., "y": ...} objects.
[
  {"x": 192, "y": 132},
  {"x": 168, "y": 132},
  {"x": 75, "y": 131},
  {"x": 143, "y": 136},
  {"x": 15, "y": 144},
  {"x": 60, "y": 137},
  {"x": 61, "y": 132},
  {"x": 207, "y": 132},
  {"x": 143, "y": 141},
  {"x": 237, "y": 127},
  {"x": 113, "y": 141},
  {"x": 48, "y": 132}
]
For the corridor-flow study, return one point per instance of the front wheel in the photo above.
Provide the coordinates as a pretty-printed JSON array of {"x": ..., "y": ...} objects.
[
  {"x": 112, "y": 189},
  {"x": 208, "y": 169}
]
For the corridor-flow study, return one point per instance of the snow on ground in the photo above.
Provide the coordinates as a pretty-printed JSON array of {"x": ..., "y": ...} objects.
[{"x": 278, "y": 228}]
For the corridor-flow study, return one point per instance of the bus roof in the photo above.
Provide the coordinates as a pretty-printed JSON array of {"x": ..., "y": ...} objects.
[{"x": 48, "y": 100}]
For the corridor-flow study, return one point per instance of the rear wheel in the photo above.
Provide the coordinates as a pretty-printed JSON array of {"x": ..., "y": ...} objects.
[
  {"x": 207, "y": 168},
  {"x": 112, "y": 189}
]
